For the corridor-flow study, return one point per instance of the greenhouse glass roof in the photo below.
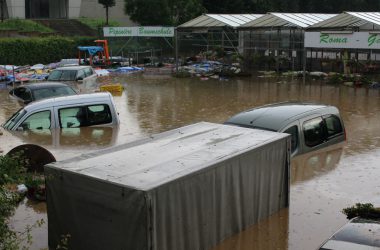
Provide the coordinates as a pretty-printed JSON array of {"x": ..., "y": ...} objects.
[
  {"x": 301, "y": 20},
  {"x": 350, "y": 19},
  {"x": 219, "y": 20}
]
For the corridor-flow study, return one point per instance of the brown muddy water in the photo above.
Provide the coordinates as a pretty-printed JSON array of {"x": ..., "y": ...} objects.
[{"x": 322, "y": 183}]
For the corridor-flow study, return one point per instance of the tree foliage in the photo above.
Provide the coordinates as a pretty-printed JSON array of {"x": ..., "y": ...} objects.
[
  {"x": 175, "y": 12},
  {"x": 107, "y": 4},
  {"x": 164, "y": 12}
]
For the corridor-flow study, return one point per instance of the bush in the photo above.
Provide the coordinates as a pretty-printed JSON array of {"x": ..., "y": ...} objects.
[
  {"x": 24, "y": 51},
  {"x": 365, "y": 210}
]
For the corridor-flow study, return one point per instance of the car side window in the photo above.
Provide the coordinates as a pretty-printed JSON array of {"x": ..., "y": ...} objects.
[
  {"x": 84, "y": 116},
  {"x": 293, "y": 131},
  {"x": 39, "y": 120},
  {"x": 313, "y": 131},
  {"x": 71, "y": 117},
  {"x": 99, "y": 114},
  {"x": 23, "y": 93},
  {"x": 81, "y": 74},
  {"x": 333, "y": 125},
  {"x": 88, "y": 71}
]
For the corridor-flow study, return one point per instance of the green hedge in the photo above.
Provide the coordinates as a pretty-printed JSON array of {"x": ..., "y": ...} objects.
[{"x": 29, "y": 51}]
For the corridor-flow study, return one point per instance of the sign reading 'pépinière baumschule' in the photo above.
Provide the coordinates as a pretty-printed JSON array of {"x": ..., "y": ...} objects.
[
  {"x": 355, "y": 40},
  {"x": 147, "y": 31}
]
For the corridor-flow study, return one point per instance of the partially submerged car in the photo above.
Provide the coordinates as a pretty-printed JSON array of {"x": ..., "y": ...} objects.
[
  {"x": 73, "y": 74},
  {"x": 37, "y": 91},
  {"x": 358, "y": 233},
  {"x": 311, "y": 126},
  {"x": 75, "y": 111}
]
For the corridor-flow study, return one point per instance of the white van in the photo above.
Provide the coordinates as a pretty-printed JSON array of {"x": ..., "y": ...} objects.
[{"x": 97, "y": 109}]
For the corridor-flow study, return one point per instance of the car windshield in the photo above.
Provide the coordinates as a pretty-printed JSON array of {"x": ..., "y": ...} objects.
[
  {"x": 62, "y": 75},
  {"x": 52, "y": 92},
  {"x": 14, "y": 119}
]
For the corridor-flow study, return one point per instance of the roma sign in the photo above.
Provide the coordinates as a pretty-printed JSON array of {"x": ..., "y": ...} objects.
[{"x": 355, "y": 40}]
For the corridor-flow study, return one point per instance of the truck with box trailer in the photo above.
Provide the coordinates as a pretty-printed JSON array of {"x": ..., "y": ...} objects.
[{"x": 188, "y": 188}]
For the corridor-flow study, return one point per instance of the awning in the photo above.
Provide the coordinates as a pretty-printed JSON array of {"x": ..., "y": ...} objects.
[
  {"x": 300, "y": 20},
  {"x": 92, "y": 50}
]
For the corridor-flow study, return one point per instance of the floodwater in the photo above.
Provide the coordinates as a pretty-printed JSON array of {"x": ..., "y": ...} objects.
[{"x": 322, "y": 183}]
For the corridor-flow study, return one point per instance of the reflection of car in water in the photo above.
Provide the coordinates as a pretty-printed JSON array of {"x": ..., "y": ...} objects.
[
  {"x": 312, "y": 126},
  {"x": 315, "y": 163}
]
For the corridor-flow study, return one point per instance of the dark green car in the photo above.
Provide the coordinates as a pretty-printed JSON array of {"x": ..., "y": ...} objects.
[{"x": 312, "y": 126}]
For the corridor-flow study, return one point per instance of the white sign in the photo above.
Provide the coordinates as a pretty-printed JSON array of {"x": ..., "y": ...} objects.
[
  {"x": 147, "y": 31},
  {"x": 356, "y": 40}
]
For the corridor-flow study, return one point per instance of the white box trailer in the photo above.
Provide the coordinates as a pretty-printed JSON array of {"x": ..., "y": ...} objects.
[{"x": 188, "y": 188}]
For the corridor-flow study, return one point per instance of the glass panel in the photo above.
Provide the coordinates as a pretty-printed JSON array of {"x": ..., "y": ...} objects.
[
  {"x": 99, "y": 114},
  {"x": 14, "y": 119},
  {"x": 313, "y": 132},
  {"x": 40, "y": 120},
  {"x": 71, "y": 117},
  {"x": 333, "y": 125},
  {"x": 68, "y": 75},
  {"x": 80, "y": 75},
  {"x": 293, "y": 131}
]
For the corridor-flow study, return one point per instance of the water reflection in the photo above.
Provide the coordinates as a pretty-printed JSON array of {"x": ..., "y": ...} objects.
[
  {"x": 307, "y": 166},
  {"x": 322, "y": 183}
]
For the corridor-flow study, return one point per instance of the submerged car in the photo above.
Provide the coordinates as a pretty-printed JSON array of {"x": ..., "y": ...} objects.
[
  {"x": 311, "y": 126},
  {"x": 37, "y": 91},
  {"x": 73, "y": 74},
  {"x": 97, "y": 109},
  {"x": 358, "y": 233}
]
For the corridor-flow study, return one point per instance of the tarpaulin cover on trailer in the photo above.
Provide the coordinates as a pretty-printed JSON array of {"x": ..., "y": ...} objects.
[{"x": 188, "y": 188}]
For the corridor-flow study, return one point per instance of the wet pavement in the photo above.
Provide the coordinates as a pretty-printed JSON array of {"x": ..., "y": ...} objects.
[{"x": 323, "y": 182}]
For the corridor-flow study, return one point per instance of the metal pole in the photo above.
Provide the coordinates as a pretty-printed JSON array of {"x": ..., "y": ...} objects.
[
  {"x": 304, "y": 58},
  {"x": 176, "y": 50}
]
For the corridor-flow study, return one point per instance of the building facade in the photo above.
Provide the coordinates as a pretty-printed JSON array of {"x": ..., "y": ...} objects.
[{"x": 53, "y": 9}]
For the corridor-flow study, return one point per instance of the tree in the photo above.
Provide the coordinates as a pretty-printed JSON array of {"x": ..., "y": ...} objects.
[
  {"x": 163, "y": 12},
  {"x": 107, "y": 4}
]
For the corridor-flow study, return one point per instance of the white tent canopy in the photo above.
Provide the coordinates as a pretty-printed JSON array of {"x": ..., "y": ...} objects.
[
  {"x": 219, "y": 20},
  {"x": 350, "y": 19},
  {"x": 300, "y": 20}
]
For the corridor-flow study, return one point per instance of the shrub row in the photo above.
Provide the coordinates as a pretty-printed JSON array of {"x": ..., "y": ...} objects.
[{"x": 29, "y": 51}]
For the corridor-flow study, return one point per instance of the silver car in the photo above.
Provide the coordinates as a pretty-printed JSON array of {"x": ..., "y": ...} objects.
[
  {"x": 312, "y": 126},
  {"x": 83, "y": 74},
  {"x": 97, "y": 109}
]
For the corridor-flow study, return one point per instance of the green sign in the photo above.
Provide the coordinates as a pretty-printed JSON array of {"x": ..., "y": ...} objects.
[
  {"x": 151, "y": 31},
  {"x": 330, "y": 39},
  {"x": 373, "y": 39}
]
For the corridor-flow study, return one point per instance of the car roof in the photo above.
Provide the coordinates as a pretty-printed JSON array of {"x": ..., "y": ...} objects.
[
  {"x": 43, "y": 85},
  {"x": 276, "y": 116},
  {"x": 73, "y": 68},
  {"x": 68, "y": 100}
]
